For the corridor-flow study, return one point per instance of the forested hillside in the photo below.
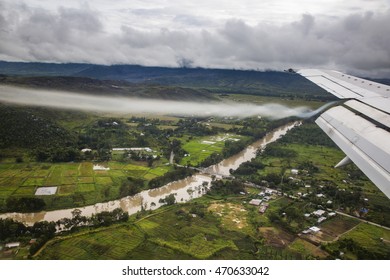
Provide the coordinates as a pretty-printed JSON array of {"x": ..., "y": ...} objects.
[{"x": 266, "y": 83}]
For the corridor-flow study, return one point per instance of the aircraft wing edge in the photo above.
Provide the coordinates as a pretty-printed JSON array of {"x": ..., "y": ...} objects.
[{"x": 360, "y": 156}]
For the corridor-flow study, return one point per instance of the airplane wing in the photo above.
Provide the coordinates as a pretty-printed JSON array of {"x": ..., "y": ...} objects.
[{"x": 361, "y": 125}]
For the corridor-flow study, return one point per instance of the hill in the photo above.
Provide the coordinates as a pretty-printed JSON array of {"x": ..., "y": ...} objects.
[
  {"x": 112, "y": 87},
  {"x": 268, "y": 83}
]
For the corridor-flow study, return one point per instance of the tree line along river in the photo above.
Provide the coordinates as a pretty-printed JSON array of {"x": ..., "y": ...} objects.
[{"x": 184, "y": 190}]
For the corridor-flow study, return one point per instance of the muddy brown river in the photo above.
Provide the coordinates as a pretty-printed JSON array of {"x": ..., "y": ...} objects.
[{"x": 184, "y": 190}]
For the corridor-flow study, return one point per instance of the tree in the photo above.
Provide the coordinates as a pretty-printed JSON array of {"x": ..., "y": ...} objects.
[
  {"x": 169, "y": 199},
  {"x": 25, "y": 204}
]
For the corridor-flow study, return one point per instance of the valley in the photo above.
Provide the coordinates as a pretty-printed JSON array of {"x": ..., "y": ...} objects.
[{"x": 74, "y": 182}]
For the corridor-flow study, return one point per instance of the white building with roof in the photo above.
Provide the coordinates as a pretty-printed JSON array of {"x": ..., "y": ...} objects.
[
  {"x": 319, "y": 213},
  {"x": 314, "y": 229},
  {"x": 255, "y": 202},
  {"x": 294, "y": 171}
]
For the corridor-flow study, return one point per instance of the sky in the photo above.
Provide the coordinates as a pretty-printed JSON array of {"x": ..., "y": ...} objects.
[{"x": 351, "y": 36}]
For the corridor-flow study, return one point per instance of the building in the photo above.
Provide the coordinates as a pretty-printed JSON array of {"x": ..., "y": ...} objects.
[
  {"x": 294, "y": 171},
  {"x": 321, "y": 219},
  {"x": 146, "y": 149},
  {"x": 255, "y": 202},
  {"x": 100, "y": 168},
  {"x": 314, "y": 229},
  {"x": 263, "y": 208},
  {"x": 319, "y": 213},
  {"x": 12, "y": 245}
]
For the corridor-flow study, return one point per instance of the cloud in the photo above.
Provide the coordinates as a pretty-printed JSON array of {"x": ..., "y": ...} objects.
[
  {"x": 357, "y": 43},
  {"x": 76, "y": 101}
]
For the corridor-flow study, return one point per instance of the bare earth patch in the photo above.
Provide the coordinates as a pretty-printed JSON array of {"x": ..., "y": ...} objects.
[
  {"x": 276, "y": 237},
  {"x": 234, "y": 216}
]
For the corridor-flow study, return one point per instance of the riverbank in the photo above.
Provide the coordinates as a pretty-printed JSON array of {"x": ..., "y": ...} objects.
[{"x": 184, "y": 190}]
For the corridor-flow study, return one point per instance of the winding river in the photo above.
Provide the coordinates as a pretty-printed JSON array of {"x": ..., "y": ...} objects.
[{"x": 184, "y": 190}]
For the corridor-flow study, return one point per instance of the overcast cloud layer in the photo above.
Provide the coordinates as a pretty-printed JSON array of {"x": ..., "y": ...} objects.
[{"x": 353, "y": 36}]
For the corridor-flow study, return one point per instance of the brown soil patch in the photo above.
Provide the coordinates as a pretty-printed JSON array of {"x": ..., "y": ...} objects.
[{"x": 276, "y": 237}]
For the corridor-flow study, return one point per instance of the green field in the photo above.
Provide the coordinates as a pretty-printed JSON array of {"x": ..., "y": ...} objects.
[
  {"x": 199, "y": 148},
  {"x": 169, "y": 233},
  {"x": 111, "y": 243},
  {"x": 221, "y": 229},
  {"x": 78, "y": 184}
]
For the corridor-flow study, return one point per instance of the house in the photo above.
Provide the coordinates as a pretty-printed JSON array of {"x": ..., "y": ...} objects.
[
  {"x": 269, "y": 191},
  {"x": 100, "y": 168},
  {"x": 321, "y": 219},
  {"x": 12, "y": 245},
  {"x": 86, "y": 150},
  {"x": 255, "y": 202},
  {"x": 263, "y": 208},
  {"x": 294, "y": 171},
  {"x": 146, "y": 149},
  {"x": 314, "y": 229},
  {"x": 319, "y": 213}
]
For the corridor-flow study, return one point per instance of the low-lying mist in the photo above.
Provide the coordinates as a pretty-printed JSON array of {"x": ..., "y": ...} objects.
[{"x": 84, "y": 102}]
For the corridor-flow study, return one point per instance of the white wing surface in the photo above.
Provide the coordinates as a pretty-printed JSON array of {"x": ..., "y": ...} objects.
[{"x": 360, "y": 126}]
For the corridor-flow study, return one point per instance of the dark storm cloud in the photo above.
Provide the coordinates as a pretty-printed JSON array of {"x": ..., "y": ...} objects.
[{"x": 359, "y": 42}]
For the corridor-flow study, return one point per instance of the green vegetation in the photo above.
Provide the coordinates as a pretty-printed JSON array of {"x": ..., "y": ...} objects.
[
  {"x": 77, "y": 183},
  {"x": 263, "y": 211},
  {"x": 207, "y": 228},
  {"x": 172, "y": 83},
  {"x": 308, "y": 150},
  {"x": 48, "y": 153},
  {"x": 166, "y": 234}
]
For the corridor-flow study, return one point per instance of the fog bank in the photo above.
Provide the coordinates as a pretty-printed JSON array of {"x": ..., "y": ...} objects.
[{"x": 115, "y": 104}]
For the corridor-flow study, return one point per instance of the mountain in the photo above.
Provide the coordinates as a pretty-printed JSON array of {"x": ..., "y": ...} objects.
[{"x": 268, "y": 83}]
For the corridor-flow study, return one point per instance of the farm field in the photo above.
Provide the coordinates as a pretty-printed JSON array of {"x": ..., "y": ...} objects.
[
  {"x": 324, "y": 158},
  {"x": 199, "y": 148},
  {"x": 212, "y": 228},
  {"x": 169, "y": 233},
  {"x": 78, "y": 184}
]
